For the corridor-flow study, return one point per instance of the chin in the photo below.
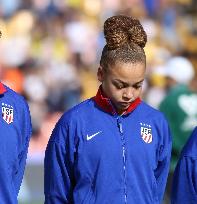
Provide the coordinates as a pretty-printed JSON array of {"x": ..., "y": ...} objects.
[{"x": 122, "y": 109}]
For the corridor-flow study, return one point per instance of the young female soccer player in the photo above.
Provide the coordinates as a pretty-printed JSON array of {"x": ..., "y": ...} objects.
[{"x": 112, "y": 148}]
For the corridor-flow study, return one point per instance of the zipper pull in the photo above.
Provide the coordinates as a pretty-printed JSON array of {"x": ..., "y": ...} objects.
[{"x": 120, "y": 126}]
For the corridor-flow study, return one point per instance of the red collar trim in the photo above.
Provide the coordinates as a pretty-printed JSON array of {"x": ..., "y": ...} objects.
[
  {"x": 2, "y": 88},
  {"x": 106, "y": 104}
]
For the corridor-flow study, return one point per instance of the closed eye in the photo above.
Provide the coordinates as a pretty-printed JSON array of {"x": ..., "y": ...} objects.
[
  {"x": 119, "y": 85},
  {"x": 137, "y": 86}
]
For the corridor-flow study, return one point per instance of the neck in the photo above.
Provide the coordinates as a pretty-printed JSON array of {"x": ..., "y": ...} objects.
[{"x": 105, "y": 103}]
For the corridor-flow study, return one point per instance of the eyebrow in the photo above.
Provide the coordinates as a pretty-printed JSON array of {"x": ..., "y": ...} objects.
[{"x": 125, "y": 83}]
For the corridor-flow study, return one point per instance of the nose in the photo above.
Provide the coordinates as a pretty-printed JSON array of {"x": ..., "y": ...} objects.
[{"x": 128, "y": 94}]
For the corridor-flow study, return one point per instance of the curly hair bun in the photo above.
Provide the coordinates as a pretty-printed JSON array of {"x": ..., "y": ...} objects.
[{"x": 120, "y": 30}]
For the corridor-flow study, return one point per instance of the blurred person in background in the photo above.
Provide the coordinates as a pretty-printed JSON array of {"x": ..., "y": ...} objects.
[
  {"x": 179, "y": 105},
  {"x": 15, "y": 134},
  {"x": 112, "y": 148},
  {"x": 184, "y": 187}
]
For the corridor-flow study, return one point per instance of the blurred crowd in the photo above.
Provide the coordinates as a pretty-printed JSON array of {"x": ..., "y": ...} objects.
[{"x": 50, "y": 51}]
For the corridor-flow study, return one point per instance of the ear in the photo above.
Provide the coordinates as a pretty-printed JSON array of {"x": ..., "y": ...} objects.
[{"x": 100, "y": 74}]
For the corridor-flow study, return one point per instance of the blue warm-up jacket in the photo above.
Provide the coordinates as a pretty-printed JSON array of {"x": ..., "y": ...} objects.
[
  {"x": 184, "y": 188},
  {"x": 15, "y": 130},
  {"x": 97, "y": 157}
]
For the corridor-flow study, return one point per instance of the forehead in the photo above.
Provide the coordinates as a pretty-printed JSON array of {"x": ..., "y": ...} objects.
[{"x": 127, "y": 72}]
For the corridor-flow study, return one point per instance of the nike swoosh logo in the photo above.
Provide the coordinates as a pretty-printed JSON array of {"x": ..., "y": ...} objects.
[{"x": 91, "y": 136}]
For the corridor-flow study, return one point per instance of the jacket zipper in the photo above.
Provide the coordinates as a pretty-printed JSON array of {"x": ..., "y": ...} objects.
[{"x": 123, "y": 156}]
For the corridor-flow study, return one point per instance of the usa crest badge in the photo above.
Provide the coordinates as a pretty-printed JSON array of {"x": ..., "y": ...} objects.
[
  {"x": 146, "y": 133},
  {"x": 7, "y": 113}
]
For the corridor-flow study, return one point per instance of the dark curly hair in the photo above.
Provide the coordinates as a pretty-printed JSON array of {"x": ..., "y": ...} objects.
[{"x": 125, "y": 40}]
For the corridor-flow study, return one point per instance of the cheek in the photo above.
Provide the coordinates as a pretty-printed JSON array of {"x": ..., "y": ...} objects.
[
  {"x": 109, "y": 87},
  {"x": 137, "y": 92},
  {"x": 116, "y": 94}
]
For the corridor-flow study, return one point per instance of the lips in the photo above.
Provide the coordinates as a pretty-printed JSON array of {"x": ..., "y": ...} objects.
[{"x": 125, "y": 104}]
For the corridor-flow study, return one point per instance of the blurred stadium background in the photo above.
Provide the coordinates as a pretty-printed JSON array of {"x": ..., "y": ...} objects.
[{"x": 50, "y": 52}]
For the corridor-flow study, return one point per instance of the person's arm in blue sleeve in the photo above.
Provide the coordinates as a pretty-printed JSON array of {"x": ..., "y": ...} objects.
[
  {"x": 184, "y": 185},
  {"x": 162, "y": 170},
  {"x": 184, "y": 189},
  {"x": 59, "y": 179},
  {"x": 26, "y": 130}
]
